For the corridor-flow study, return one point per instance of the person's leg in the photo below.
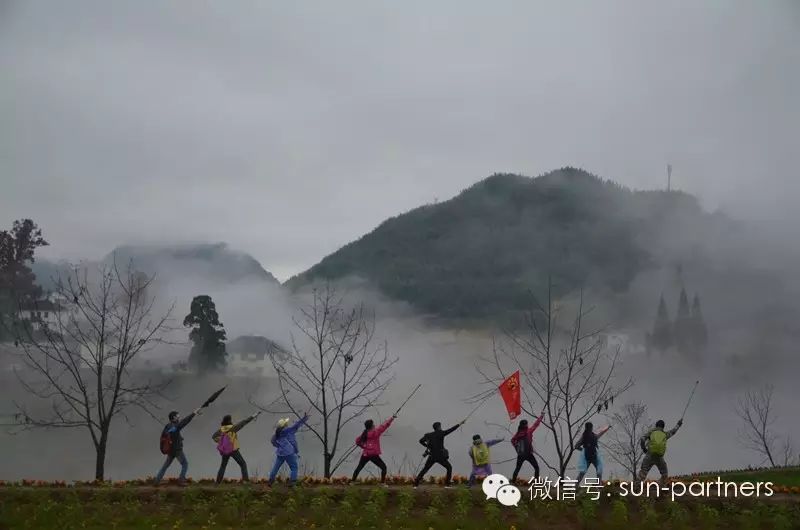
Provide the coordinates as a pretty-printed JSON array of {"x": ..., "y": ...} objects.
[
  {"x": 167, "y": 463},
  {"x": 361, "y": 463},
  {"x": 662, "y": 468},
  {"x": 378, "y": 461},
  {"x": 279, "y": 460},
  {"x": 535, "y": 464},
  {"x": 647, "y": 463},
  {"x": 472, "y": 476},
  {"x": 445, "y": 463},
  {"x": 428, "y": 465},
  {"x": 292, "y": 460},
  {"x": 580, "y": 476},
  {"x": 222, "y": 465},
  {"x": 181, "y": 456},
  {"x": 520, "y": 460},
  {"x": 598, "y": 466},
  {"x": 237, "y": 456}
]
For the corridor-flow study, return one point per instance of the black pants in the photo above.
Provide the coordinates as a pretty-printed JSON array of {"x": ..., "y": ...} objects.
[
  {"x": 377, "y": 460},
  {"x": 521, "y": 459},
  {"x": 437, "y": 459},
  {"x": 236, "y": 455}
]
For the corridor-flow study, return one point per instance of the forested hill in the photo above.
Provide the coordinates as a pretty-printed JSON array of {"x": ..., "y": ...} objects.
[{"x": 479, "y": 253}]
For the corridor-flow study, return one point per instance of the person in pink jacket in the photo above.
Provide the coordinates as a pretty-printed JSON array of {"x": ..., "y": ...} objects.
[{"x": 370, "y": 443}]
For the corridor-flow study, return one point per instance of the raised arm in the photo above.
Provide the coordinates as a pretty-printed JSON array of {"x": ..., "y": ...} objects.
[
  {"x": 494, "y": 442},
  {"x": 185, "y": 421},
  {"x": 452, "y": 429},
  {"x": 383, "y": 426},
  {"x": 241, "y": 424},
  {"x": 536, "y": 423},
  {"x": 671, "y": 432},
  {"x": 299, "y": 423},
  {"x": 603, "y": 431}
]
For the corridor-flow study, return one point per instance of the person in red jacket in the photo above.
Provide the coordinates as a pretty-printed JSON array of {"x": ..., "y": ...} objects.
[
  {"x": 370, "y": 443},
  {"x": 523, "y": 443}
]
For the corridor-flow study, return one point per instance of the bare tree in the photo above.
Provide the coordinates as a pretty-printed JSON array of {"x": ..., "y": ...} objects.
[
  {"x": 82, "y": 362},
  {"x": 755, "y": 410},
  {"x": 623, "y": 445},
  {"x": 566, "y": 371},
  {"x": 334, "y": 368}
]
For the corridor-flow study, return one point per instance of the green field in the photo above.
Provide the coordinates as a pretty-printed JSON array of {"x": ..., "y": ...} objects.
[
  {"x": 789, "y": 476},
  {"x": 233, "y": 506}
]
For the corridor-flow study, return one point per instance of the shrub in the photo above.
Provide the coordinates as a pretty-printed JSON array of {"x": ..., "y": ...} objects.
[{"x": 619, "y": 514}]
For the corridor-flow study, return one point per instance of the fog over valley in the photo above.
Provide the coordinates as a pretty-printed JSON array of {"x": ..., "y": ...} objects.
[{"x": 263, "y": 196}]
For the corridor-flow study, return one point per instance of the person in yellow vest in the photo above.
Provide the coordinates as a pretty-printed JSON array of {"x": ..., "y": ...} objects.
[
  {"x": 227, "y": 441},
  {"x": 654, "y": 445},
  {"x": 479, "y": 454}
]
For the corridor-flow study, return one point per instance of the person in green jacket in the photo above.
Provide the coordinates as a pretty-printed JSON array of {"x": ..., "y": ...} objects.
[{"x": 654, "y": 445}]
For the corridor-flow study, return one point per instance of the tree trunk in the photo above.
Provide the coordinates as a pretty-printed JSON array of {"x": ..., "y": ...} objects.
[
  {"x": 328, "y": 461},
  {"x": 100, "y": 461}
]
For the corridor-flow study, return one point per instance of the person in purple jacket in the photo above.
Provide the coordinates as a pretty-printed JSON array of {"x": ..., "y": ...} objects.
[
  {"x": 479, "y": 454},
  {"x": 286, "y": 449}
]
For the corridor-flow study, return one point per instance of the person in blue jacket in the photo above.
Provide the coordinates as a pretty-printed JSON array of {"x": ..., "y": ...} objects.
[{"x": 286, "y": 449}]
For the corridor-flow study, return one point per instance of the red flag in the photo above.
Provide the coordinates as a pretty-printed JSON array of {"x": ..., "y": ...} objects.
[{"x": 510, "y": 392}]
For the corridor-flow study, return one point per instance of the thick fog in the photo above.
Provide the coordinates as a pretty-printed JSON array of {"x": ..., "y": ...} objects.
[
  {"x": 258, "y": 125},
  {"x": 288, "y": 130},
  {"x": 442, "y": 360}
]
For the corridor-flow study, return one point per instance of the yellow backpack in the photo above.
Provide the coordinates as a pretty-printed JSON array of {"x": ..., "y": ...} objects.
[
  {"x": 658, "y": 443},
  {"x": 480, "y": 454}
]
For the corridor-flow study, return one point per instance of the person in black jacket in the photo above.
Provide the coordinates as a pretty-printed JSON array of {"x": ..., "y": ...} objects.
[
  {"x": 437, "y": 454},
  {"x": 174, "y": 427}
]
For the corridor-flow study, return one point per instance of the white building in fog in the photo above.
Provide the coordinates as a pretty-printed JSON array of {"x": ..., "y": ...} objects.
[{"x": 252, "y": 355}]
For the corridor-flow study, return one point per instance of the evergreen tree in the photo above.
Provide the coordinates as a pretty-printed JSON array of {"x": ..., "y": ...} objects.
[
  {"x": 661, "y": 338},
  {"x": 17, "y": 280},
  {"x": 208, "y": 336},
  {"x": 699, "y": 329},
  {"x": 683, "y": 325},
  {"x": 17, "y": 248}
]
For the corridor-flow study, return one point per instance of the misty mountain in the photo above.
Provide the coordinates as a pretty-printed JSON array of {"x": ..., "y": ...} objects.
[
  {"x": 478, "y": 254},
  {"x": 215, "y": 261}
]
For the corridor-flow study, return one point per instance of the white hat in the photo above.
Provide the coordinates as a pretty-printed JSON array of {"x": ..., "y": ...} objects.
[{"x": 283, "y": 422}]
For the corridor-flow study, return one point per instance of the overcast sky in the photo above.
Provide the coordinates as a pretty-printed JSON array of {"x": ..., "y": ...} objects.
[{"x": 288, "y": 129}]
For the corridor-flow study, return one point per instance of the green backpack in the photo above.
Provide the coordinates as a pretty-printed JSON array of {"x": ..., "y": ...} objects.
[{"x": 658, "y": 443}]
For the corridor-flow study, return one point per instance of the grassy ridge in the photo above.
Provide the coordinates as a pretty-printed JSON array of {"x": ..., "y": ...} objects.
[
  {"x": 365, "y": 507},
  {"x": 786, "y": 476}
]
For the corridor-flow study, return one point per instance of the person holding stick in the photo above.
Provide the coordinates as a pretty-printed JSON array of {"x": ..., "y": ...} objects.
[
  {"x": 227, "y": 441},
  {"x": 286, "y": 449},
  {"x": 172, "y": 444},
  {"x": 523, "y": 444},
  {"x": 437, "y": 454},
  {"x": 479, "y": 454},
  {"x": 654, "y": 446},
  {"x": 370, "y": 443}
]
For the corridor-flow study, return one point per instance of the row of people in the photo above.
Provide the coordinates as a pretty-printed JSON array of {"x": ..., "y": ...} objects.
[{"x": 653, "y": 444}]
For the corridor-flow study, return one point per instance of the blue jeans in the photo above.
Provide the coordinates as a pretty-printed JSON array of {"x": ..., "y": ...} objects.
[
  {"x": 279, "y": 460},
  {"x": 181, "y": 458}
]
